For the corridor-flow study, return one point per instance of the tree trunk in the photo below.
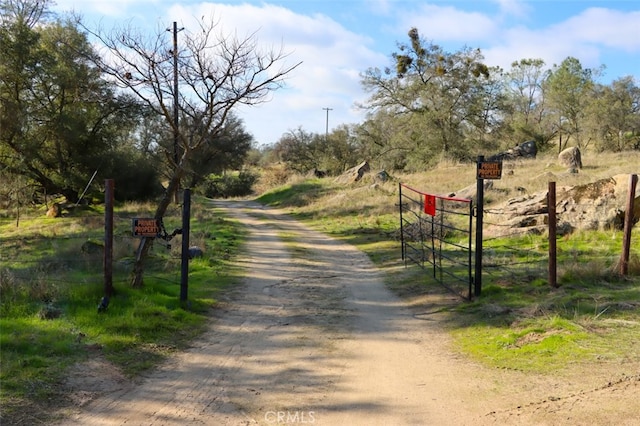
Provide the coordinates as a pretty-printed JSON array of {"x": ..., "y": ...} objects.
[{"x": 560, "y": 144}]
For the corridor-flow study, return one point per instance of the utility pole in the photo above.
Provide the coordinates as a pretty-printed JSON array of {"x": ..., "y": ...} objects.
[
  {"x": 326, "y": 131},
  {"x": 175, "y": 100}
]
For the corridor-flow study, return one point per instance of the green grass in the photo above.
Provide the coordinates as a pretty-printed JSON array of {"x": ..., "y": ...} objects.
[
  {"x": 300, "y": 194},
  {"x": 541, "y": 345},
  {"x": 50, "y": 291},
  {"x": 34, "y": 355},
  {"x": 520, "y": 322}
]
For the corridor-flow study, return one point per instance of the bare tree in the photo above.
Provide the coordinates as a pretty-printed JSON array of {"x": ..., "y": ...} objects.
[{"x": 216, "y": 72}]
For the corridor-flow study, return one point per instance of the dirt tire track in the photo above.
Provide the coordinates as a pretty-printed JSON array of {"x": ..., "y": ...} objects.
[{"x": 313, "y": 336}]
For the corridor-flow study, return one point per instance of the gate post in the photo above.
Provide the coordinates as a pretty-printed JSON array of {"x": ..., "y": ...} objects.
[
  {"x": 470, "y": 253},
  {"x": 628, "y": 224},
  {"x": 479, "y": 219},
  {"x": 553, "y": 253},
  {"x": 401, "y": 224},
  {"x": 184, "y": 269},
  {"x": 108, "y": 237}
]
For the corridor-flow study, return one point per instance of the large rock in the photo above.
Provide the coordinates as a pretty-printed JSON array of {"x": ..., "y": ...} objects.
[
  {"x": 570, "y": 158},
  {"x": 471, "y": 192},
  {"x": 354, "y": 174},
  {"x": 526, "y": 149},
  {"x": 54, "y": 211},
  {"x": 195, "y": 251},
  {"x": 597, "y": 205}
]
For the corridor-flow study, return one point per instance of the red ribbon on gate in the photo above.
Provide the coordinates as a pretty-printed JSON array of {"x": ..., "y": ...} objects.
[{"x": 430, "y": 204}]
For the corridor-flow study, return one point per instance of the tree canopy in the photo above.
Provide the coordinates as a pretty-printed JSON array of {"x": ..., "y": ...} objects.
[
  {"x": 430, "y": 104},
  {"x": 59, "y": 118}
]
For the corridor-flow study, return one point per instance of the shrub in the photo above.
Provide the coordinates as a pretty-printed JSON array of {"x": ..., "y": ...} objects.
[
  {"x": 229, "y": 185},
  {"x": 136, "y": 178}
]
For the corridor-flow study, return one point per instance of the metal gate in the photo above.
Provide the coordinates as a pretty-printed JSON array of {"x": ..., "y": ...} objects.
[{"x": 436, "y": 234}]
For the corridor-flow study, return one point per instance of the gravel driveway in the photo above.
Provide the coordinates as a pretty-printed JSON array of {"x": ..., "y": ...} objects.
[{"x": 313, "y": 336}]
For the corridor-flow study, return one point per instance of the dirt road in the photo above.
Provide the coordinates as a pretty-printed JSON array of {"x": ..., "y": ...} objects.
[{"x": 314, "y": 337}]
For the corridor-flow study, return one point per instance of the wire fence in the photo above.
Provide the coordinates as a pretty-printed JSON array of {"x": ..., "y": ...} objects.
[
  {"x": 70, "y": 249},
  {"x": 523, "y": 250}
]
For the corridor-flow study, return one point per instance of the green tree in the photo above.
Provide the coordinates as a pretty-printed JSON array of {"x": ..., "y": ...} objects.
[
  {"x": 614, "y": 115},
  {"x": 59, "y": 119},
  {"x": 569, "y": 89},
  {"x": 446, "y": 101},
  {"x": 304, "y": 152},
  {"x": 340, "y": 151},
  {"x": 297, "y": 149},
  {"x": 381, "y": 141},
  {"x": 525, "y": 109},
  {"x": 226, "y": 151}
]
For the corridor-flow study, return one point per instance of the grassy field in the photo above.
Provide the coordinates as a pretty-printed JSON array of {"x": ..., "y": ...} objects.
[
  {"x": 51, "y": 282},
  {"x": 519, "y": 322}
]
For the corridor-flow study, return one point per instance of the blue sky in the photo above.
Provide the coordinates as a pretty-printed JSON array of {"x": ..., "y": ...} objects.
[{"x": 338, "y": 39}]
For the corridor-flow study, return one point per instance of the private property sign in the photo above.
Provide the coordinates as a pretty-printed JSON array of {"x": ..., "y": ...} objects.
[
  {"x": 146, "y": 227},
  {"x": 489, "y": 169}
]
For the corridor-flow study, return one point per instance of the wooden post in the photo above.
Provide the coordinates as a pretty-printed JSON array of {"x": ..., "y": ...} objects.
[
  {"x": 479, "y": 225},
  {"x": 628, "y": 224},
  {"x": 184, "y": 270},
  {"x": 401, "y": 225},
  {"x": 108, "y": 238},
  {"x": 551, "y": 206}
]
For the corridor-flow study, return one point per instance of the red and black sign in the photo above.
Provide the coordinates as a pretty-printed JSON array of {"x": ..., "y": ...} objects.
[
  {"x": 146, "y": 227},
  {"x": 489, "y": 169}
]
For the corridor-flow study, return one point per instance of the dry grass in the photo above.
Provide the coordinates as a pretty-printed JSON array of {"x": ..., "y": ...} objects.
[
  {"x": 370, "y": 198},
  {"x": 525, "y": 176}
]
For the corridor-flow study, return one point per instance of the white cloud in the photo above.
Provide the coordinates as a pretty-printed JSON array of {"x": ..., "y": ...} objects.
[
  {"x": 606, "y": 27},
  {"x": 447, "y": 23},
  {"x": 334, "y": 53},
  {"x": 586, "y": 36},
  {"x": 516, "y": 8},
  {"x": 549, "y": 45},
  {"x": 109, "y": 8},
  {"x": 332, "y": 59}
]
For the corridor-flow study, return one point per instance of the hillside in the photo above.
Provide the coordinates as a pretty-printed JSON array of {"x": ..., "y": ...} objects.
[{"x": 590, "y": 305}]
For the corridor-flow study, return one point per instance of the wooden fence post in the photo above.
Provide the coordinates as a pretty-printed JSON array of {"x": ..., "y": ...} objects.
[
  {"x": 479, "y": 226},
  {"x": 184, "y": 267},
  {"x": 628, "y": 224},
  {"x": 551, "y": 206},
  {"x": 108, "y": 238}
]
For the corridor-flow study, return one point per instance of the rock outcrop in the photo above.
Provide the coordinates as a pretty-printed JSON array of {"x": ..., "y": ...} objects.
[
  {"x": 597, "y": 205},
  {"x": 354, "y": 174}
]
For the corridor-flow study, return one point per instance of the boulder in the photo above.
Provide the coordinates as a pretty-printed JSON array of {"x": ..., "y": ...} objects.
[
  {"x": 571, "y": 159},
  {"x": 319, "y": 173},
  {"x": 354, "y": 174},
  {"x": 54, "y": 211},
  {"x": 92, "y": 247},
  {"x": 471, "y": 192},
  {"x": 383, "y": 176},
  {"x": 526, "y": 149},
  {"x": 597, "y": 205},
  {"x": 195, "y": 251}
]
